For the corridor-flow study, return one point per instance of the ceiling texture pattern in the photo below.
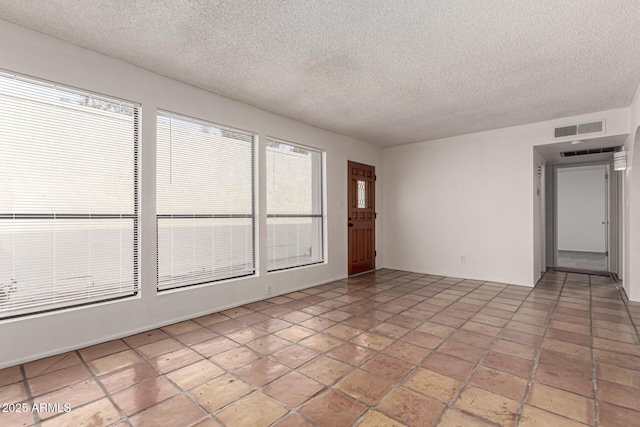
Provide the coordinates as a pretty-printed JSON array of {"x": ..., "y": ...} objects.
[{"x": 388, "y": 72}]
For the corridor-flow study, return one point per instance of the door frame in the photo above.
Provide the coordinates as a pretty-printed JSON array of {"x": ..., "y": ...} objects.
[
  {"x": 611, "y": 212},
  {"x": 345, "y": 205}
]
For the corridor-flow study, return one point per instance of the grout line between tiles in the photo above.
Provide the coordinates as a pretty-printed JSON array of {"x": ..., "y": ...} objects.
[
  {"x": 376, "y": 352},
  {"x": 539, "y": 352},
  {"x": 187, "y": 393},
  {"x": 594, "y": 378},
  {"x": 395, "y": 287},
  {"x": 432, "y": 351},
  {"x": 108, "y": 395},
  {"x": 465, "y": 382},
  {"x": 445, "y": 339},
  {"x": 27, "y": 390}
]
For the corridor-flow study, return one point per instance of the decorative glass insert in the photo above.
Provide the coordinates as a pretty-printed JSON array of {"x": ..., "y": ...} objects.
[{"x": 362, "y": 197}]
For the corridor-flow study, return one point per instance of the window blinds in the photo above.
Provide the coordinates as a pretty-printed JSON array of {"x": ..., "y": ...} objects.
[
  {"x": 68, "y": 208},
  {"x": 205, "y": 202},
  {"x": 294, "y": 205}
]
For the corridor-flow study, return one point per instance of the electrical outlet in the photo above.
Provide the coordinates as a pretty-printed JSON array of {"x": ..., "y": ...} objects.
[
  {"x": 463, "y": 259},
  {"x": 268, "y": 290}
]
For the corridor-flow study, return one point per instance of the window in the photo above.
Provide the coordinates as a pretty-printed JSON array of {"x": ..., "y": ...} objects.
[
  {"x": 362, "y": 194},
  {"x": 68, "y": 206},
  {"x": 294, "y": 205},
  {"x": 205, "y": 202}
]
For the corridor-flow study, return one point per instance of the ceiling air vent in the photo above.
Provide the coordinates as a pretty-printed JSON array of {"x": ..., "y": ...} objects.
[
  {"x": 592, "y": 127},
  {"x": 579, "y": 129},
  {"x": 590, "y": 151},
  {"x": 566, "y": 131}
]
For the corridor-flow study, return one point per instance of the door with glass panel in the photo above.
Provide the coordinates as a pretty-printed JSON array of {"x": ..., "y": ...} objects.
[{"x": 361, "y": 218}]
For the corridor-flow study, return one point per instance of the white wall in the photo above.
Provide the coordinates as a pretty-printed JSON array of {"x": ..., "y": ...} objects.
[
  {"x": 581, "y": 204},
  {"x": 31, "y": 53},
  {"x": 473, "y": 196},
  {"x": 631, "y": 205}
]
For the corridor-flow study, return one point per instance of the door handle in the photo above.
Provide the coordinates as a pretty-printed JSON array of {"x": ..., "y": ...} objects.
[{"x": 350, "y": 225}]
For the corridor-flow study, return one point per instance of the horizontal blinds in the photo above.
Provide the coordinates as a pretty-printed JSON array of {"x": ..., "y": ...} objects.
[
  {"x": 68, "y": 215},
  {"x": 205, "y": 202},
  {"x": 294, "y": 205}
]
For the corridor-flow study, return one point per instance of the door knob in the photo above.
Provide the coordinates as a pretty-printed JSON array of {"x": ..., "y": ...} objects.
[{"x": 350, "y": 225}]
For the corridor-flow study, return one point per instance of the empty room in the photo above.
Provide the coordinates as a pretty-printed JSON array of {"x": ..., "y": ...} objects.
[{"x": 319, "y": 213}]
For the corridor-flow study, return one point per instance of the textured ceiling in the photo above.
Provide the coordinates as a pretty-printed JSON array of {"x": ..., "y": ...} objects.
[{"x": 389, "y": 72}]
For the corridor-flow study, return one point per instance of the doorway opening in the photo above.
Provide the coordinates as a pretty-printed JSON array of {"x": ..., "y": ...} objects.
[
  {"x": 582, "y": 213},
  {"x": 361, "y": 218}
]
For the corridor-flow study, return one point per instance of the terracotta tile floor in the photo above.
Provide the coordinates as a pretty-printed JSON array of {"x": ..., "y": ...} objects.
[{"x": 385, "y": 349}]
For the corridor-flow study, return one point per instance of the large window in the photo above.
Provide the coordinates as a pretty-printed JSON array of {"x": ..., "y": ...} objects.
[
  {"x": 205, "y": 202},
  {"x": 68, "y": 207},
  {"x": 294, "y": 205}
]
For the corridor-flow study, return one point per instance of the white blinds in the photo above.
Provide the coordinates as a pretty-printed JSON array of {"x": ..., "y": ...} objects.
[
  {"x": 205, "y": 202},
  {"x": 68, "y": 208},
  {"x": 294, "y": 205}
]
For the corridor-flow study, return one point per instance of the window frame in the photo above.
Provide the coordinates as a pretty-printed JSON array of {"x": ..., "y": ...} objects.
[
  {"x": 322, "y": 204},
  {"x": 135, "y": 216},
  {"x": 253, "y": 215}
]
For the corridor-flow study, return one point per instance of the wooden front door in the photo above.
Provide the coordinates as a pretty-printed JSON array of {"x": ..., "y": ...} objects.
[{"x": 362, "y": 218}]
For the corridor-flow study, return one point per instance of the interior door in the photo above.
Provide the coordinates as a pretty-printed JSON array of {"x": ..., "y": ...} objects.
[
  {"x": 361, "y": 218},
  {"x": 582, "y": 218}
]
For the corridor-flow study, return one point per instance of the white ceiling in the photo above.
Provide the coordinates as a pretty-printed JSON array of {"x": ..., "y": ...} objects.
[{"x": 389, "y": 72}]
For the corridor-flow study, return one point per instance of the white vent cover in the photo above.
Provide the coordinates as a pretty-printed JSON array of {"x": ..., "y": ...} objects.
[
  {"x": 591, "y": 151},
  {"x": 579, "y": 129}
]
